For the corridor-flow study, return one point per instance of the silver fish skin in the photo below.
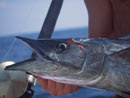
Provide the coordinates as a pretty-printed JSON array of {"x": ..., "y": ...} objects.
[{"x": 88, "y": 62}]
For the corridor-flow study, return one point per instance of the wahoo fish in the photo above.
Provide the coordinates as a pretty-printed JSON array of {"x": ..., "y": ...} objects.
[{"x": 87, "y": 62}]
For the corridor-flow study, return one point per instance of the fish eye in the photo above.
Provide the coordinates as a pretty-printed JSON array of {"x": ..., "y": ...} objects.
[{"x": 61, "y": 47}]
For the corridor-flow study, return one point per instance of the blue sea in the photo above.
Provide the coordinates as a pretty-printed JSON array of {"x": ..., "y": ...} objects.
[{"x": 19, "y": 52}]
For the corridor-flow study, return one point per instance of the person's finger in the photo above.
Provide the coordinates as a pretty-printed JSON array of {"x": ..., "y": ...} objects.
[
  {"x": 75, "y": 88},
  {"x": 52, "y": 87},
  {"x": 55, "y": 88},
  {"x": 59, "y": 89},
  {"x": 43, "y": 83},
  {"x": 67, "y": 89}
]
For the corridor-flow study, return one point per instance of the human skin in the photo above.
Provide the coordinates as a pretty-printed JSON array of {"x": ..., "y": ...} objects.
[
  {"x": 55, "y": 88},
  {"x": 108, "y": 19},
  {"x": 103, "y": 23}
]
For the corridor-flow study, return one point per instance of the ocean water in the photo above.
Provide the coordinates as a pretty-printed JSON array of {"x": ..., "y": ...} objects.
[
  {"x": 20, "y": 52},
  {"x": 28, "y": 15}
]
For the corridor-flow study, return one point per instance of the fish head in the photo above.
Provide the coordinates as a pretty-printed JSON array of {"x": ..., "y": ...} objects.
[
  {"x": 63, "y": 60},
  {"x": 72, "y": 52},
  {"x": 63, "y": 51}
]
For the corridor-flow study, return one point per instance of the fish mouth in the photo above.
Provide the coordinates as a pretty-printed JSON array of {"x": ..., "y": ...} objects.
[
  {"x": 34, "y": 46},
  {"x": 43, "y": 48},
  {"x": 45, "y": 75},
  {"x": 42, "y": 53}
]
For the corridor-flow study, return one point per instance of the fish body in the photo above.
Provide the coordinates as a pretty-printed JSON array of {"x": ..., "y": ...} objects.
[{"x": 96, "y": 63}]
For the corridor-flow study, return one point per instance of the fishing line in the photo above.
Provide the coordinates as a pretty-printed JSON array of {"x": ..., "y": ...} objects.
[
  {"x": 19, "y": 28},
  {"x": 8, "y": 51}
]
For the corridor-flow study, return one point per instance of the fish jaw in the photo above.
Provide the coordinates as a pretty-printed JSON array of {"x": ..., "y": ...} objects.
[
  {"x": 43, "y": 68},
  {"x": 34, "y": 66},
  {"x": 58, "y": 50},
  {"x": 50, "y": 70},
  {"x": 69, "y": 80},
  {"x": 61, "y": 79}
]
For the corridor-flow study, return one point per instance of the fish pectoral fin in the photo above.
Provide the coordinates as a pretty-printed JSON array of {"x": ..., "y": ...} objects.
[
  {"x": 125, "y": 95},
  {"x": 124, "y": 54}
]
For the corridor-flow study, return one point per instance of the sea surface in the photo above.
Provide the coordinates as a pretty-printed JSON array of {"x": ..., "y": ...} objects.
[{"x": 12, "y": 49}]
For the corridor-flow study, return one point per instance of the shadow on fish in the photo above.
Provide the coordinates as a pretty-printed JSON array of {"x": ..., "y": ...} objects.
[{"x": 96, "y": 63}]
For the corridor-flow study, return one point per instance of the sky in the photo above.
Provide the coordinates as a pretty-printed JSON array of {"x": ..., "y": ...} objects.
[{"x": 27, "y": 16}]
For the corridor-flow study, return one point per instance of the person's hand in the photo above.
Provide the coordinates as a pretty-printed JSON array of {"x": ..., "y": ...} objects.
[{"x": 55, "y": 88}]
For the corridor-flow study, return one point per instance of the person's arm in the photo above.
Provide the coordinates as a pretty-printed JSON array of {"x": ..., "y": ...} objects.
[{"x": 100, "y": 18}]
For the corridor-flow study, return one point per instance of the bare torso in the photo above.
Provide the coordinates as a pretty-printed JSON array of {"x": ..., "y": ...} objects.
[
  {"x": 109, "y": 18},
  {"x": 121, "y": 16}
]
